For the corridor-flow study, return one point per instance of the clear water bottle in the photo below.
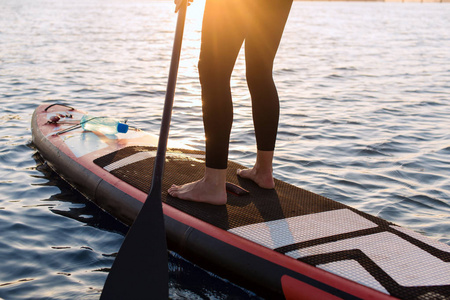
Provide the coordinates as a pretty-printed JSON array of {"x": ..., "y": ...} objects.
[{"x": 104, "y": 125}]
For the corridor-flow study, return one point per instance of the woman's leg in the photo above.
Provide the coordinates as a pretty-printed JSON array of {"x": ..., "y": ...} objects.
[
  {"x": 222, "y": 36},
  {"x": 261, "y": 45}
]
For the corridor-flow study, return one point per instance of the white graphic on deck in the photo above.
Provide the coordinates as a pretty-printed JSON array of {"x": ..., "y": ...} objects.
[
  {"x": 144, "y": 155},
  {"x": 404, "y": 262},
  {"x": 407, "y": 264},
  {"x": 352, "y": 270},
  {"x": 279, "y": 233},
  {"x": 423, "y": 239},
  {"x": 129, "y": 160}
]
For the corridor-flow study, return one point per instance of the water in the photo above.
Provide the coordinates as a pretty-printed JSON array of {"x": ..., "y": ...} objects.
[{"x": 364, "y": 120}]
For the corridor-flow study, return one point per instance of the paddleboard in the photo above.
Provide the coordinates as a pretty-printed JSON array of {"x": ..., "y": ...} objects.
[{"x": 283, "y": 243}]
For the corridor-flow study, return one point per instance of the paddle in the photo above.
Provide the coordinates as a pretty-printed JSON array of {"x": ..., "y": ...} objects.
[{"x": 140, "y": 270}]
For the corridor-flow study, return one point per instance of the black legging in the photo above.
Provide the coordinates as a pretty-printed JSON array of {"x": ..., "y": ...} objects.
[{"x": 226, "y": 24}]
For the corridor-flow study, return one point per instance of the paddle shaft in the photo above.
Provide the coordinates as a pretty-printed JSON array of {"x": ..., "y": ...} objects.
[
  {"x": 168, "y": 104},
  {"x": 140, "y": 270}
]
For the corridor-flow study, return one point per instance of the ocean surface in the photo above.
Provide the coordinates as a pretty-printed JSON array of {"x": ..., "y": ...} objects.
[{"x": 365, "y": 106}]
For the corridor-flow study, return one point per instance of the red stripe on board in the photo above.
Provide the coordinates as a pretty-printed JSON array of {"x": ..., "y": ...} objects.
[{"x": 297, "y": 290}]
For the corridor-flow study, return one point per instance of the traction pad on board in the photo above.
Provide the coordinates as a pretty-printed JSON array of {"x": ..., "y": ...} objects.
[
  {"x": 183, "y": 166},
  {"x": 297, "y": 223}
]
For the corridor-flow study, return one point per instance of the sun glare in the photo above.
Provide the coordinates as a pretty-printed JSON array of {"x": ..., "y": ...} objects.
[
  {"x": 195, "y": 11},
  {"x": 192, "y": 37}
]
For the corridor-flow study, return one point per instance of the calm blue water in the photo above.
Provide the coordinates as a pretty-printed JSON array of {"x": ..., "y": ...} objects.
[{"x": 365, "y": 91}]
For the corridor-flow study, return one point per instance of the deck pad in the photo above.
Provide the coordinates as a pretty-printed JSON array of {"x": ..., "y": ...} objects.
[{"x": 183, "y": 166}]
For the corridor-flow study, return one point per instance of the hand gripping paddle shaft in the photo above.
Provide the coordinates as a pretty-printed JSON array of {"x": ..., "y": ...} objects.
[{"x": 140, "y": 270}]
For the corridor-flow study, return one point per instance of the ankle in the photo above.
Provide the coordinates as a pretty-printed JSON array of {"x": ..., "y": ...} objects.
[
  {"x": 215, "y": 177},
  {"x": 262, "y": 169},
  {"x": 263, "y": 162}
]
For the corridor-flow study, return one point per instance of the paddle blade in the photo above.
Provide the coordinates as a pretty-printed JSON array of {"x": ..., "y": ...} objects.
[
  {"x": 142, "y": 259},
  {"x": 140, "y": 270}
]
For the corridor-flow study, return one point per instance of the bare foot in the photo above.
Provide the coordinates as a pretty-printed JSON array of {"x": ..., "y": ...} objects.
[
  {"x": 210, "y": 189},
  {"x": 262, "y": 179},
  {"x": 261, "y": 173}
]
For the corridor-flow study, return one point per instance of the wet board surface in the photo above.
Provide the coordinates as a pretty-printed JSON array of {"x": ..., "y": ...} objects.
[{"x": 286, "y": 242}]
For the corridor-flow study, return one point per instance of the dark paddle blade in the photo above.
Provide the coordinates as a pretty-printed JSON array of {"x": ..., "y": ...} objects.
[{"x": 140, "y": 270}]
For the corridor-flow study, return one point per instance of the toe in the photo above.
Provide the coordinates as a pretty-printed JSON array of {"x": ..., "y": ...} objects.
[{"x": 172, "y": 189}]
